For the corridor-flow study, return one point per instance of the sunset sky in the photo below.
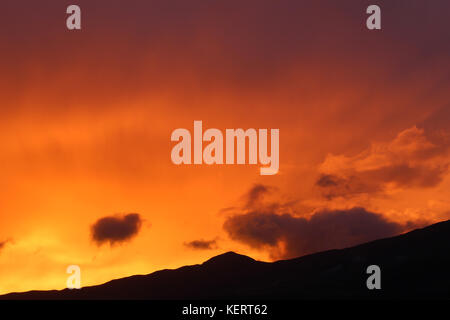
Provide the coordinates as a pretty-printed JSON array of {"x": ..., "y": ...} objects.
[{"x": 86, "y": 118}]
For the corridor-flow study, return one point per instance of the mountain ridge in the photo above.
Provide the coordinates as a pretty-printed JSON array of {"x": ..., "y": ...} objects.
[{"x": 413, "y": 265}]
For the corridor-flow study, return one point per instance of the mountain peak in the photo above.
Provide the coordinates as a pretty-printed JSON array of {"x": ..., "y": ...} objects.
[{"x": 229, "y": 258}]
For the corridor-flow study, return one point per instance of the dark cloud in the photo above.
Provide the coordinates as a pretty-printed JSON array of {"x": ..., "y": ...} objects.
[
  {"x": 405, "y": 175},
  {"x": 333, "y": 186},
  {"x": 288, "y": 236},
  {"x": 116, "y": 229},
  {"x": 256, "y": 193},
  {"x": 268, "y": 223},
  {"x": 375, "y": 181},
  {"x": 328, "y": 180},
  {"x": 202, "y": 244},
  {"x": 262, "y": 197}
]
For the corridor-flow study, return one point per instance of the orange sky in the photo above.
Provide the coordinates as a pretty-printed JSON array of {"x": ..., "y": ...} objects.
[{"x": 86, "y": 118}]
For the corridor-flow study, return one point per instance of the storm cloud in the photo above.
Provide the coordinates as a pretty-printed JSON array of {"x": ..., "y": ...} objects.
[
  {"x": 288, "y": 236},
  {"x": 116, "y": 229},
  {"x": 268, "y": 223}
]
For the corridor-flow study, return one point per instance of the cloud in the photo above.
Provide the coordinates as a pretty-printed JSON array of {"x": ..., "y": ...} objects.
[
  {"x": 412, "y": 160},
  {"x": 202, "y": 244},
  {"x": 268, "y": 223},
  {"x": 256, "y": 193},
  {"x": 334, "y": 186},
  {"x": 288, "y": 236},
  {"x": 260, "y": 198},
  {"x": 116, "y": 229}
]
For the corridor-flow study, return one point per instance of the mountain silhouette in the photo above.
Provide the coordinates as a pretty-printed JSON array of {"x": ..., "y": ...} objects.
[{"x": 413, "y": 265}]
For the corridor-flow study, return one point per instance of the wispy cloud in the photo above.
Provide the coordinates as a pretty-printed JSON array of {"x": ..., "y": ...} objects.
[
  {"x": 202, "y": 244},
  {"x": 411, "y": 160}
]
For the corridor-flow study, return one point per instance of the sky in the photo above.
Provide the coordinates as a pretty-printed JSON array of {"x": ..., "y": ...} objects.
[{"x": 86, "y": 118}]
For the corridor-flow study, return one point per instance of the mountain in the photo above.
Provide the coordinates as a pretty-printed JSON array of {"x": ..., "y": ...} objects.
[{"x": 413, "y": 265}]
